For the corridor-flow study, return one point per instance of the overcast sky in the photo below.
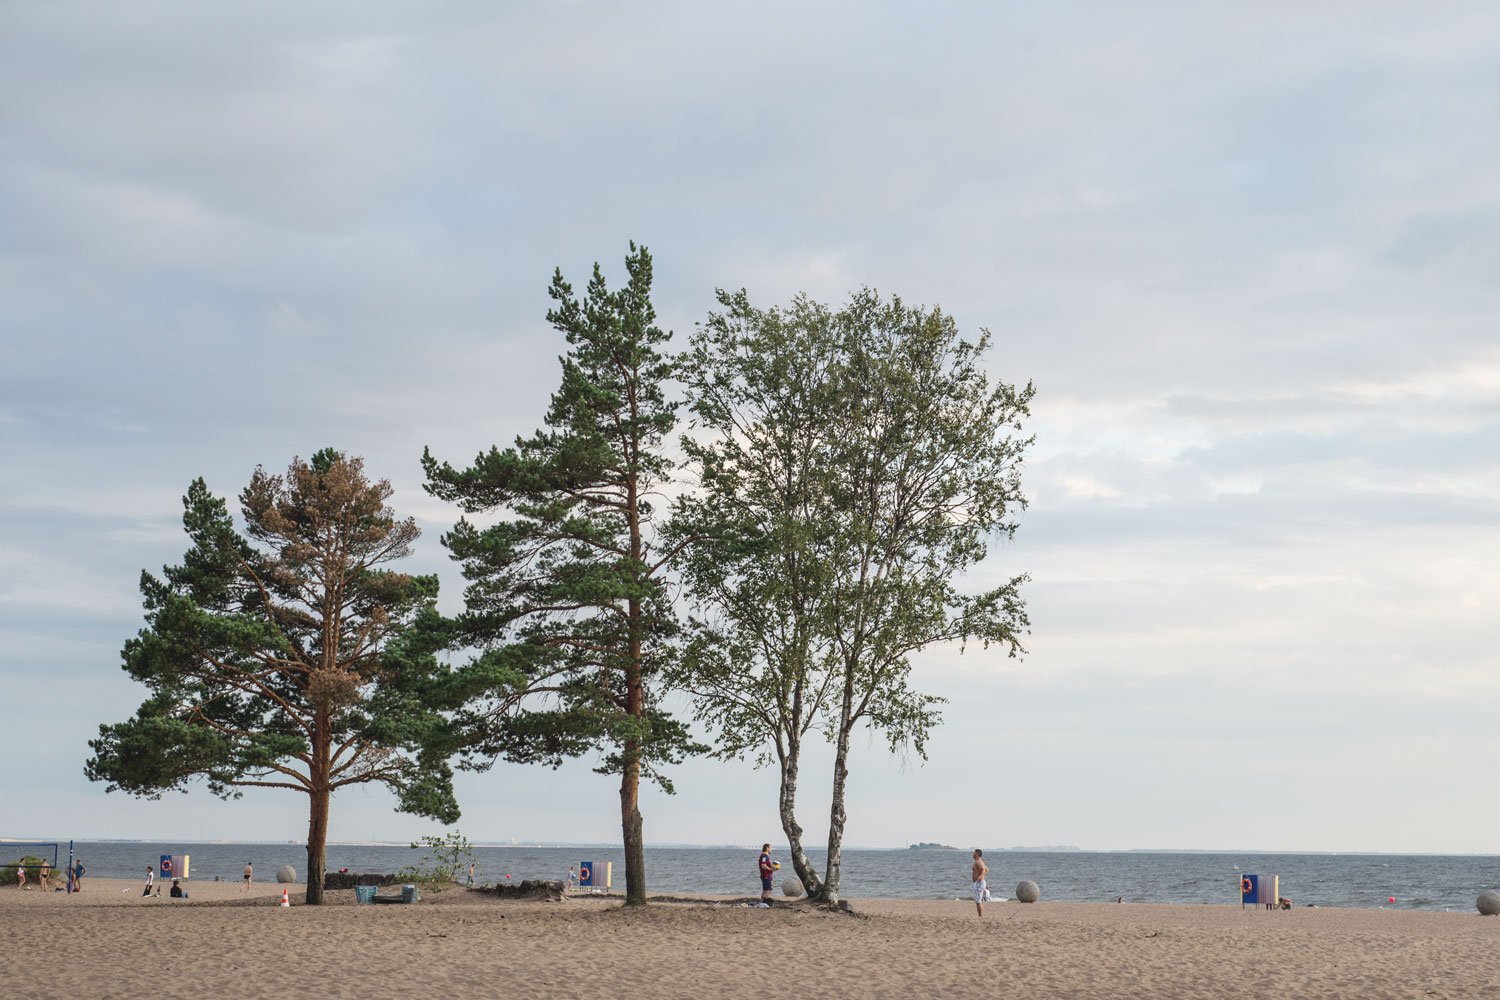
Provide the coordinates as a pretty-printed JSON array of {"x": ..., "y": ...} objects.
[{"x": 1247, "y": 253}]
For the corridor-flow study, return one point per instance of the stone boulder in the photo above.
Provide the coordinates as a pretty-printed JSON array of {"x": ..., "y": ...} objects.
[
  {"x": 286, "y": 873},
  {"x": 791, "y": 886},
  {"x": 1488, "y": 903},
  {"x": 1027, "y": 892}
]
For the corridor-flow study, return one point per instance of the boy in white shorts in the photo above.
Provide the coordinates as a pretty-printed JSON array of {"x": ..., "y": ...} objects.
[{"x": 981, "y": 888}]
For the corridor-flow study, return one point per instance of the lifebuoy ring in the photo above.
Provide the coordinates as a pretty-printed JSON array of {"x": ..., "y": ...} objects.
[
  {"x": 1246, "y": 885},
  {"x": 166, "y": 866}
]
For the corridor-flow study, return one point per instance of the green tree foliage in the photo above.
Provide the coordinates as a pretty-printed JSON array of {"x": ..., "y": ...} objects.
[
  {"x": 758, "y": 658},
  {"x": 568, "y": 588},
  {"x": 289, "y": 657},
  {"x": 893, "y": 462}
]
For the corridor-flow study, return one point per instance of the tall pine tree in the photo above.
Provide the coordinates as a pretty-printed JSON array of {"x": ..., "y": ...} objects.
[
  {"x": 568, "y": 587},
  {"x": 290, "y": 657}
]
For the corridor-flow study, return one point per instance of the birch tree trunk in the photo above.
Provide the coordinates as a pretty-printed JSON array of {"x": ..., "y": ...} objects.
[{"x": 790, "y": 763}]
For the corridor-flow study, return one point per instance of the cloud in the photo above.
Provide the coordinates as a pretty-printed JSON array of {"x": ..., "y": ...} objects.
[{"x": 1246, "y": 255}]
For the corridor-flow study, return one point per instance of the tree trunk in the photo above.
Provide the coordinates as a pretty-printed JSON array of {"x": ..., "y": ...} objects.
[
  {"x": 317, "y": 843},
  {"x": 789, "y": 825},
  {"x": 318, "y": 796},
  {"x": 836, "y": 815},
  {"x": 630, "y": 779},
  {"x": 630, "y": 822}
]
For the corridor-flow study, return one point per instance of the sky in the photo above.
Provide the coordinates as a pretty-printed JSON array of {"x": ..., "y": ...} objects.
[{"x": 1245, "y": 252}]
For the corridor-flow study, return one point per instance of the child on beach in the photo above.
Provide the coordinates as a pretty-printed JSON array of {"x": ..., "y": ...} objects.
[
  {"x": 767, "y": 873},
  {"x": 21, "y": 875},
  {"x": 78, "y": 871},
  {"x": 981, "y": 888}
]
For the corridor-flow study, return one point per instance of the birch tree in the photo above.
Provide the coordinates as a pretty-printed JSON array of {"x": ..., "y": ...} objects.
[{"x": 904, "y": 470}]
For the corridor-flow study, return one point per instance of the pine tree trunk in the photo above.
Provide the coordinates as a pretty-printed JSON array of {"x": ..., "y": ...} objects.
[
  {"x": 630, "y": 821},
  {"x": 789, "y": 825},
  {"x": 317, "y": 843},
  {"x": 318, "y": 798},
  {"x": 630, "y": 779}
]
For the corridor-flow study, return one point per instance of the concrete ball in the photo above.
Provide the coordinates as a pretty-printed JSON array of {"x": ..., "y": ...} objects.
[
  {"x": 1027, "y": 892},
  {"x": 1488, "y": 903},
  {"x": 286, "y": 873},
  {"x": 791, "y": 886}
]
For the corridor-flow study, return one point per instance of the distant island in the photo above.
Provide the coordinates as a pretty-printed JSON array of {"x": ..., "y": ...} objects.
[{"x": 1048, "y": 849}]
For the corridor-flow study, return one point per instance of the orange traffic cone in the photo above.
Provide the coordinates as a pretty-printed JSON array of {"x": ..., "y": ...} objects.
[{"x": 284, "y": 900}]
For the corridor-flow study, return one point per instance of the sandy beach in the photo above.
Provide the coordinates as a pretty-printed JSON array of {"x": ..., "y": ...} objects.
[{"x": 109, "y": 943}]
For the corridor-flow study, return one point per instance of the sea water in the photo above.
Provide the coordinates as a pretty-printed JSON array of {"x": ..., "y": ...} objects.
[{"x": 1425, "y": 882}]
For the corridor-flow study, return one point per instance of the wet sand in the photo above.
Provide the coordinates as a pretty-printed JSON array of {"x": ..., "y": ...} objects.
[{"x": 108, "y": 942}]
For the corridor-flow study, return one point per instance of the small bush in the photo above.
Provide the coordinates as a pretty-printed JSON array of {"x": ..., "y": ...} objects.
[{"x": 446, "y": 857}]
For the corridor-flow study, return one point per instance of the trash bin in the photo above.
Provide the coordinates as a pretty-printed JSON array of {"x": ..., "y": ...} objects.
[
  {"x": 364, "y": 893},
  {"x": 408, "y": 894}
]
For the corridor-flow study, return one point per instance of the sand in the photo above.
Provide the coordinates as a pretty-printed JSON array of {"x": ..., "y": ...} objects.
[{"x": 109, "y": 943}]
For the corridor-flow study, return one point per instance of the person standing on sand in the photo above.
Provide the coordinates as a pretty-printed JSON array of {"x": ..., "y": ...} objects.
[
  {"x": 471, "y": 874},
  {"x": 21, "y": 874},
  {"x": 981, "y": 888},
  {"x": 78, "y": 871},
  {"x": 150, "y": 877},
  {"x": 249, "y": 875},
  {"x": 45, "y": 871},
  {"x": 767, "y": 872}
]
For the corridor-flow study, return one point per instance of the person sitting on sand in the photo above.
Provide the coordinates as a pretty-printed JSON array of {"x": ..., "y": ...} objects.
[
  {"x": 1284, "y": 903},
  {"x": 981, "y": 887},
  {"x": 767, "y": 872},
  {"x": 249, "y": 875},
  {"x": 177, "y": 892},
  {"x": 43, "y": 873}
]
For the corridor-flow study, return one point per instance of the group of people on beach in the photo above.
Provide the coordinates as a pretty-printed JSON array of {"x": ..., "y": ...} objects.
[
  {"x": 44, "y": 875},
  {"x": 977, "y": 874}
]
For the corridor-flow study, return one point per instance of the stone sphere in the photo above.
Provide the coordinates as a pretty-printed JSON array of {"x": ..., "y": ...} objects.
[
  {"x": 1488, "y": 902},
  {"x": 286, "y": 873},
  {"x": 791, "y": 886},
  {"x": 1027, "y": 892}
]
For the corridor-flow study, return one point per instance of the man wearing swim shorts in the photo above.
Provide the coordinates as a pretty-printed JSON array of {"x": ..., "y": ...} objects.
[
  {"x": 766, "y": 874},
  {"x": 981, "y": 888},
  {"x": 249, "y": 875}
]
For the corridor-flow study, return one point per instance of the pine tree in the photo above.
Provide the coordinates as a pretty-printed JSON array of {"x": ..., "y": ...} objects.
[
  {"x": 569, "y": 587},
  {"x": 288, "y": 657}
]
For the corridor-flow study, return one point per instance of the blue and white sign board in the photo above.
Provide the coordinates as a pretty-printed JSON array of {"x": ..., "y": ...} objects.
[
  {"x": 1260, "y": 889},
  {"x": 174, "y": 866},
  {"x": 594, "y": 875}
]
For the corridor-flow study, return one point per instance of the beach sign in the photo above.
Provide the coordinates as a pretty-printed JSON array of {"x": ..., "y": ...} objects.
[
  {"x": 593, "y": 875},
  {"x": 1260, "y": 889},
  {"x": 174, "y": 866}
]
